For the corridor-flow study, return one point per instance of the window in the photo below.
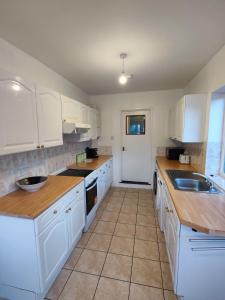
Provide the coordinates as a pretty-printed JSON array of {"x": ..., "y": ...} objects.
[{"x": 135, "y": 124}]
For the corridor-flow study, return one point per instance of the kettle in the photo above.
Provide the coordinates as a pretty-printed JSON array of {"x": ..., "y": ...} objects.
[{"x": 184, "y": 159}]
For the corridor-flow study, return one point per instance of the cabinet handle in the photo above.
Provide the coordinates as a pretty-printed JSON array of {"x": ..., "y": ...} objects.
[
  {"x": 42, "y": 146},
  {"x": 206, "y": 240},
  {"x": 69, "y": 209},
  {"x": 207, "y": 249},
  {"x": 55, "y": 212},
  {"x": 77, "y": 192},
  {"x": 38, "y": 146}
]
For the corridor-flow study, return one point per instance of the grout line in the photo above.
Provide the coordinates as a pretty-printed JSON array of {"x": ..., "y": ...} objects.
[{"x": 100, "y": 275}]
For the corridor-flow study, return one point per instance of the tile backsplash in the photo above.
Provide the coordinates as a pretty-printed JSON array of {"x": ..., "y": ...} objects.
[
  {"x": 37, "y": 162},
  {"x": 197, "y": 152}
]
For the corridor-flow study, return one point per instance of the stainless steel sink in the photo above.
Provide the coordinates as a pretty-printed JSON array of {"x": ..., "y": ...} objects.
[{"x": 191, "y": 181}]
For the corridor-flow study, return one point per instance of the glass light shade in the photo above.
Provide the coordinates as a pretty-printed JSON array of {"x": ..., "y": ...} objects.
[
  {"x": 16, "y": 87},
  {"x": 123, "y": 79}
]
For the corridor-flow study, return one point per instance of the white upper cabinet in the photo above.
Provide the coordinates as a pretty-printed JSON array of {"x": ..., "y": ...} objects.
[
  {"x": 49, "y": 109},
  {"x": 84, "y": 111},
  {"x": 93, "y": 122},
  {"x": 18, "y": 116},
  {"x": 187, "y": 119},
  {"x": 70, "y": 109}
]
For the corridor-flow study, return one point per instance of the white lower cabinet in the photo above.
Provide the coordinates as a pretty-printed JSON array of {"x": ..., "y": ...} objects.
[
  {"x": 197, "y": 260},
  {"x": 33, "y": 252},
  {"x": 53, "y": 245},
  {"x": 76, "y": 220},
  {"x": 105, "y": 178}
]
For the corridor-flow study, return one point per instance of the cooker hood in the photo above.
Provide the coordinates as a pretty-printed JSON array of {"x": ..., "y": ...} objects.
[{"x": 72, "y": 126}]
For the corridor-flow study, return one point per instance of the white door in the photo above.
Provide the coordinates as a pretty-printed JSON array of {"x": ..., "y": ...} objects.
[
  {"x": 76, "y": 214},
  {"x": 53, "y": 248},
  {"x": 49, "y": 109},
  {"x": 136, "y": 150},
  {"x": 18, "y": 116}
]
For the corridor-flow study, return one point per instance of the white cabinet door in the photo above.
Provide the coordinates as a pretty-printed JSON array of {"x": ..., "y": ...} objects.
[
  {"x": 180, "y": 119},
  {"x": 49, "y": 110},
  {"x": 84, "y": 110},
  {"x": 93, "y": 121},
  {"x": 70, "y": 109},
  {"x": 76, "y": 219},
  {"x": 18, "y": 115},
  {"x": 53, "y": 247}
]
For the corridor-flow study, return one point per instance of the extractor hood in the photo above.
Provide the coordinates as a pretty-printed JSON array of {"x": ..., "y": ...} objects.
[{"x": 72, "y": 126}]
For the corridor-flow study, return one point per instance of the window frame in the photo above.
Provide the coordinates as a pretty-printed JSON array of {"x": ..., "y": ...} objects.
[{"x": 222, "y": 154}]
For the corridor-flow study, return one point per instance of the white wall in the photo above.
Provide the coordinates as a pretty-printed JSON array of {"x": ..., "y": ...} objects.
[
  {"x": 111, "y": 106},
  {"x": 18, "y": 62}
]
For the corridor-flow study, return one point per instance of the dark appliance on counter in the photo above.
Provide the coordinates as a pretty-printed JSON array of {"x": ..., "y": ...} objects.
[
  {"x": 91, "y": 152},
  {"x": 90, "y": 182},
  {"x": 173, "y": 153}
]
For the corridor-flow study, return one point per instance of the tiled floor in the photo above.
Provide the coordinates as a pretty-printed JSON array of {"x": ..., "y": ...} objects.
[{"x": 122, "y": 256}]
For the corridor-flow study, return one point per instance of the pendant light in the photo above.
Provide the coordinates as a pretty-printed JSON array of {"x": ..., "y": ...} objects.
[{"x": 123, "y": 78}]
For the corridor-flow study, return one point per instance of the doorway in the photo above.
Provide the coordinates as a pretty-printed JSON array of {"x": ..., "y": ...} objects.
[{"x": 136, "y": 147}]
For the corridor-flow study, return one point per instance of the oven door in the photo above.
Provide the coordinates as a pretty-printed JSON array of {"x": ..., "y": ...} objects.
[{"x": 91, "y": 195}]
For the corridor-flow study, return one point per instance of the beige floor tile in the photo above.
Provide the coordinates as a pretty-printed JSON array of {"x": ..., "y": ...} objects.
[
  {"x": 110, "y": 289},
  {"x": 99, "y": 242},
  {"x": 160, "y": 235},
  {"x": 99, "y": 213},
  {"x": 80, "y": 286},
  {"x": 84, "y": 240},
  {"x": 109, "y": 216},
  {"x": 72, "y": 260},
  {"x": 145, "y": 191},
  {"x": 117, "y": 267},
  {"x": 141, "y": 292},
  {"x": 129, "y": 209},
  {"x": 105, "y": 227},
  {"x": 169, "y": 295},
  {"x": 113, "y": 207},
  {"x": 125, "y": 230},
  {"x": 146, "y": 220},
  {"x": 146, "y": 233},
  {"x": 145, "y": 202},
  {"x": 146, "y": 272},
  {"x": 163, "y": 252},
  {"x": 131, "y": 195},
  {"x": 91, "y": 262},
  {"x": 92, "y": 226},
  {"x": 145, "y": 196},
  {"x": 127, "y": 218},
  {"x": 145, "y": 210},
  {"x": 114, "y": 200},
  {"x": 103, "y": 205},
  {"x": 59, "y": 284},
  {"x": 122, "y": 245},
  {"x": 146, "y": 249},
  {"x": 166, "y": 275},
  {"x": 118, "y": 194},
  {"x": 130, "y": 202}
]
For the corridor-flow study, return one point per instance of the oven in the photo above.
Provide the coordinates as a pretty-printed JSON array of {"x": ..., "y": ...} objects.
[{"x": 91, "y": 195}]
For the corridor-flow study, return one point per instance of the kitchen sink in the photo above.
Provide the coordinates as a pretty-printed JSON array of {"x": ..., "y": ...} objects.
[{"x": 191, "y": 181}]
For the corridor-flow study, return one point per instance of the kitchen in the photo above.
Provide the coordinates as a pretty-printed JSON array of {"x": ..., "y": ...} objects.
[{"x": 112, "y": 150}]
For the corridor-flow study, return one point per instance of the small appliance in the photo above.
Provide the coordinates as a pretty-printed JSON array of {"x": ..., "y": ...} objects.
[
  {"x": 92, "y": 152},
  {"x": 173, "y": 153},
  {"x": 184, "y": 159}
]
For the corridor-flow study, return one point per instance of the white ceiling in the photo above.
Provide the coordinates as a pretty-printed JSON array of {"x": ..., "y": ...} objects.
[{"x": 167, "y": 41}]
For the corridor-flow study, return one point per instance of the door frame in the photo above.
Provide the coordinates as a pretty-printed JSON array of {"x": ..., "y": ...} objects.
[{"x": 150, "y": 111}]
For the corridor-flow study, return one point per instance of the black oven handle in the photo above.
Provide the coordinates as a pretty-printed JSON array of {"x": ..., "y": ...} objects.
[{"x": 91, "y": 185}]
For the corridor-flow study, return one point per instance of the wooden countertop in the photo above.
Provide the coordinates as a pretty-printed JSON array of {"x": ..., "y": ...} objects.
[
  {"x": 95, "y": 164},
  {"x": 30, "y": 205},
  {"x": 201, "y": 211}
]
